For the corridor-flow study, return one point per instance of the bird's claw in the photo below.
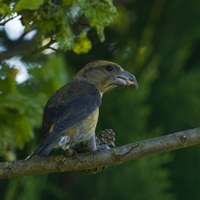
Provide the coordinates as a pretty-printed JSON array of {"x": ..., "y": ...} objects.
[
  {"x": 105, "y": 139},
  {"x": 72, "y": 153},
  {"x": 69, "y": 152}
]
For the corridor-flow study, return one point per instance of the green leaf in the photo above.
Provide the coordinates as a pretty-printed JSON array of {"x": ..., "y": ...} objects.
[
  {"x": 30, "y": 5},
  {"x": 4, "y": 9},
  {"x": 82, "y": 44},
  {"x": 65, "y": 37},
  {"x": 100, "y": 14}
]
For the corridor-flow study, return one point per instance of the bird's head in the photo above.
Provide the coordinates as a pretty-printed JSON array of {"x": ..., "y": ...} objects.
[{"x": 106, "y": 75}]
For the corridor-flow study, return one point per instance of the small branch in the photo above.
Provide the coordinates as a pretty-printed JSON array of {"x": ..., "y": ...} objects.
[
  {"x": 55, "y": 164},
  {"x": 9, "y": 54},
  {"x": 46, "y": 46},
  {"x": 7, "y": 20}
]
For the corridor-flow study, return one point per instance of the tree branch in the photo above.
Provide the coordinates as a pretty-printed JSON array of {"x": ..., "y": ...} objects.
[
  {"x": 55, "y": 164},
  {"x": 3, "y": 20},
  {"x": 25, "y": 51}
]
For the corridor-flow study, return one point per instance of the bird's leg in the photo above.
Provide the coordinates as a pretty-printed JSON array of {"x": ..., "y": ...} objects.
[
  {"x": 105, "y": 139},
  {"x": 91, "y": 144}
]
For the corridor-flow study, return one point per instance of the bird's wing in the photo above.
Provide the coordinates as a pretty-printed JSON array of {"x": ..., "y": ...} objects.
[
  {"x": 66, "y": 108},
  {"x": 69, "y": 106}
]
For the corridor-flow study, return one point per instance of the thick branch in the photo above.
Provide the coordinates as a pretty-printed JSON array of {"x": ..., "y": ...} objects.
[{"x": 113, "y": 156}]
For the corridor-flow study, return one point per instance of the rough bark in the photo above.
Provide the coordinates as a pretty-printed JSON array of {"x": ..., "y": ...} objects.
[{"x": 84, "y": 161}]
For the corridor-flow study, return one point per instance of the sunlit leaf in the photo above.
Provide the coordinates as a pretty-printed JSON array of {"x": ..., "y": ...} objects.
[{"x": 30, "y": 4}]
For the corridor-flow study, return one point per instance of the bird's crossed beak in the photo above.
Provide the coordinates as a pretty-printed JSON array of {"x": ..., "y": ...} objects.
[{"x": 125, "y": 79}]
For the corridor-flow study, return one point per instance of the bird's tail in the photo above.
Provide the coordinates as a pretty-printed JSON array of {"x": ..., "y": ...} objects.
[{"x": 41, "y": 151}]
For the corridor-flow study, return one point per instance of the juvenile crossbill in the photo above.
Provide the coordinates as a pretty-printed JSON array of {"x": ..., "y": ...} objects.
[{"x": 71, "y": 113}]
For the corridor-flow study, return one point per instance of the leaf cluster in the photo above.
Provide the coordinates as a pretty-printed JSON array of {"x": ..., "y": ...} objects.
[
  {"x": 19, "y": 114},
  {"x": 65, "y": 22}
]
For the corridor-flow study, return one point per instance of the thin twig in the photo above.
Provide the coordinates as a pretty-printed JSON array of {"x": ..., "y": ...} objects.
[
  {"x": 9, "y": 19},
  {"x": 7, "y": 55},
  {"x": 46, "y": 46}
]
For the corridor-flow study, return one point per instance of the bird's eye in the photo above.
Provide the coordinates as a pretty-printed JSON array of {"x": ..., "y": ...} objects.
[{"x": 109, "y": 68}]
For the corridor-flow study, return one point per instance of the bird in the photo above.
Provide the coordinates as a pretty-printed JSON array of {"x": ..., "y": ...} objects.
[{"x": 71, "y": 113}]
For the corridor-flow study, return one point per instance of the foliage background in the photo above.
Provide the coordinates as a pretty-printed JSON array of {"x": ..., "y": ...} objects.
[{"x": 157, "y": 40}]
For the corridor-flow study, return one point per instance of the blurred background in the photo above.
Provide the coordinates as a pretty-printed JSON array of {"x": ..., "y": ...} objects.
[{"x": 158, "y": 41}]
